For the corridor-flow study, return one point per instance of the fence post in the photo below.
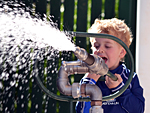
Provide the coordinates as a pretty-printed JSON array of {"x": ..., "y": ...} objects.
[
  {"x": 109, "y": 9},
  {"x": 127, "y": 12},
  {"x": 96, "y": 10},
  {"x": 55, "y": 11},
  {"x": 41, "y": 6}
]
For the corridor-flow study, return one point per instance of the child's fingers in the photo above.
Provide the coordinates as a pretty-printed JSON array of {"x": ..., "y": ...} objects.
[
  {"x": 93, "y": 76},
  {"x": 111, "y": 83},
  {"x": 119, "y": 77},
  {"x": 108, "y": 81}
]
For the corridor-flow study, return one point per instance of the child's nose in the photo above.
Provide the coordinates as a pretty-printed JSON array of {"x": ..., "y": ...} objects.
[{"x": 100, "y": 50}]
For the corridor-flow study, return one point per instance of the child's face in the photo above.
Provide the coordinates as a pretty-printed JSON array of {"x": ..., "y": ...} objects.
[{"x": 109, "y": 50}]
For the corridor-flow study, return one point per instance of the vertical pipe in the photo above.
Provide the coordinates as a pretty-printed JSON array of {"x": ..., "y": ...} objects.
[
  {"x": 71, "y": 107},
  {"x": 142, "y": 48}
]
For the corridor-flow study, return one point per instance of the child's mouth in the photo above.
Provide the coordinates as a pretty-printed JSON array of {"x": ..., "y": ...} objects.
[{"x": 104, "y": 58}]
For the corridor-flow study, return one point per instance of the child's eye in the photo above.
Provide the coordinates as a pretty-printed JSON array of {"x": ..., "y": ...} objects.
[
  {"x": 108, "y": 46},
  {"x": 96, "y": 47}
]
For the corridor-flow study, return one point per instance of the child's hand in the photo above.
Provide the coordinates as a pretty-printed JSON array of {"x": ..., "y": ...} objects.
[
  {"x": 112, "y": 84},
  {"x": 93, "y": 76}
]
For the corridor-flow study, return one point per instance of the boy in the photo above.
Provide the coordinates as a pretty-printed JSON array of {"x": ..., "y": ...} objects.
[{"x": 132, "y": 100}]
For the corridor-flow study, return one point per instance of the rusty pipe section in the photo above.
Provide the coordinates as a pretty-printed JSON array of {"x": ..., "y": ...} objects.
[
  {"x": 96, "y": 97},
  {"x": 91, "y": 90}
]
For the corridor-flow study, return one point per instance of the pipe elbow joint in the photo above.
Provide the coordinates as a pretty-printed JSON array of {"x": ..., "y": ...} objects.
[
  {"x": 63, "y": 82},
  {"x": 94, "y": 92}
]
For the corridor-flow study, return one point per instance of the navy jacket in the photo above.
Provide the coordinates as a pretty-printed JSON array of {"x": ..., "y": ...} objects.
[{"x": 131, "y": 101}]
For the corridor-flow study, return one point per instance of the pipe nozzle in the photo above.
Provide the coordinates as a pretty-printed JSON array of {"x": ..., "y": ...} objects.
[
  {"x": 95, "y": 63},
  {"x": 82, "y": 55}
]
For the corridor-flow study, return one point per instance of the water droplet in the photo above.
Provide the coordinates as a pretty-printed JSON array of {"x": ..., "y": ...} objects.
[
  {"x": 20, "y": 88},
  {"x": 6, "y": 108},
  {"x": 22, "y": 96},
  {"x": 22, "y": 105},
  {"x": 1, "y": 85},
  {"x": 36, "y": 106},
  {"x": 9, "y": 94},
  {"x": 12, "y": 83}
]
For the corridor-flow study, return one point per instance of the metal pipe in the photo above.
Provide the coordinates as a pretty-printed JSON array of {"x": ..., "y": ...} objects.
[
  {"x": 63, "y": 82},
  {"x": 76, "y": 89},
  {"x": 94, "y": 92},
  {"x": 82, "y": 55},
  {"x": 92, "y": 64},
  {"x": 96, "y": 109},
  {"x": 95, "y": 63},
  {"x": 96, "y": 98},
  {"x": 65, "y": 88}
]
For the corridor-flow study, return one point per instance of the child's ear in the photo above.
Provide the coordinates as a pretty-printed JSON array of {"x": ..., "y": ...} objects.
[{"x": 122, "y": 53}]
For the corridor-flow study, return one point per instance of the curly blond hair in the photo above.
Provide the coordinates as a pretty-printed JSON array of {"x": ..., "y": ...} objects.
[{"x": 114, "y": 27}]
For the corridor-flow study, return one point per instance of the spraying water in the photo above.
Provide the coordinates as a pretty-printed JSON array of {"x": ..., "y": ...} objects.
[
  {"x": 20, "y": 34},
  {"x": 18, "y": 27}
]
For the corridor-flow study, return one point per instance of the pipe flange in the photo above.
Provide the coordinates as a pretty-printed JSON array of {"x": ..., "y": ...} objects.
[
  {"x": 76, "y": 90},
  {"x": 83, "y": 94}
]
